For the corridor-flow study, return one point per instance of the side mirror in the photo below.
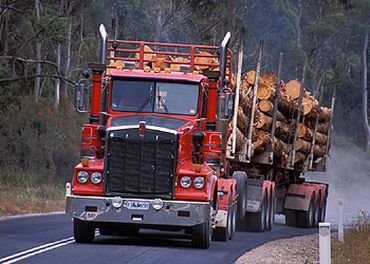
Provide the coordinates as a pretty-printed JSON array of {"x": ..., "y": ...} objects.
[
  {"x": 80, "y": 97},
  {"x": 227, "y": 107}
]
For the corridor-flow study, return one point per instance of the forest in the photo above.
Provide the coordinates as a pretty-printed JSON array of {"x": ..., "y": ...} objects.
[{"x": 46, "y": 44}]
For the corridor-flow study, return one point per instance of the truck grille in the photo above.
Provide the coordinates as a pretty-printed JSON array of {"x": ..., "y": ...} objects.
[{"x": 141, "y": 166}]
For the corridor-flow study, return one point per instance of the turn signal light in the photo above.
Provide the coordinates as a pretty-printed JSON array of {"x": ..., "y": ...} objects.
[{"x": 85, "y": 162}]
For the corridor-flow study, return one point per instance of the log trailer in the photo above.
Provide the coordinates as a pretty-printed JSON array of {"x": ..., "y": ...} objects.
[{"x": 159, "y": 149}]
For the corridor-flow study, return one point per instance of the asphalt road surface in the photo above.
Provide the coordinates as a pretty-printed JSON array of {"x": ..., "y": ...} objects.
[{"x": 49, "y": 239}]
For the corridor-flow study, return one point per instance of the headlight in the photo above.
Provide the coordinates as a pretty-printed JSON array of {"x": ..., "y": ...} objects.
[
  {"x": 96, "y": 177},
  {"x": 82, "y": 176},
  {"x": 185, "y": 181},
  {"x": 198, "y": 182},
  {"x": 157, "y": 204}
]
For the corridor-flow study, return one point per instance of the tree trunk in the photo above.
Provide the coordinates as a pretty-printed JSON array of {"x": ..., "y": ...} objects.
[
  {"x": 38, "y": 55},
  {"x": 69, "y": 52},
  {"x": 364, "y": 90},
  {"x": 57, "y": 80},
  {"x": 81, "y": 15}
]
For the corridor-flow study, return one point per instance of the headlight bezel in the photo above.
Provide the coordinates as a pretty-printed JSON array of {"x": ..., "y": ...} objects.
[
  {"x": 197, "y": 180},
  {"x": 183, "y": 183},
  {"x": 92, "y": 177},
  {"x": 82, "y": 176}
]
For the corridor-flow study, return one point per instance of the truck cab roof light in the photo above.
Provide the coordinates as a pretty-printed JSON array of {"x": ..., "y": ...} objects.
[
  {"x": 147, "y": 69},
  {"x": 157, "y": 69},
  {"x": 185, "y": 68},
  {"x": 130, "y": 65},
  {"x": 167, "y": 70}
]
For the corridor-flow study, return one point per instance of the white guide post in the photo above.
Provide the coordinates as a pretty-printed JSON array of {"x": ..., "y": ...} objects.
[
  {"x": 325, "y": 243},
  {"x": 340, "y": 220}
]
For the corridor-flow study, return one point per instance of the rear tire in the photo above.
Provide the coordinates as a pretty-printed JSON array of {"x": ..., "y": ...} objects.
[
  {"x": 256, "y": 222},
  {"x": 271, "y": 212},
  {"x": 83, "y": 231},
  {"x": 201, "y": 235},
  {"x": 241, "y": 190},
  {"x": 317, "y": 213},
  {"x": 323, "y": 210}
]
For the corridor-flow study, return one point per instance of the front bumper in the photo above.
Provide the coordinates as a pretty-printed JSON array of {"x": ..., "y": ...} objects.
[{"x": 173, "y": 213}]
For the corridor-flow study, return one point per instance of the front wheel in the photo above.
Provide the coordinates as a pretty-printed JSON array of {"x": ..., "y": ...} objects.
[
  {"x": 83, "y": 231},
  {"x": 201, "y": 235}
]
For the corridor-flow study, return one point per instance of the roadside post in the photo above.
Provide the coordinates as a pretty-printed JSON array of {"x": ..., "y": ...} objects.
[
  {"x": 340, "y": 220},
  {"x": 325, "y": 243}
]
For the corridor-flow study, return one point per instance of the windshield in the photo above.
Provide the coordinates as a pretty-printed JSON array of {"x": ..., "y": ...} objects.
[{"x": 157, "y": 97}]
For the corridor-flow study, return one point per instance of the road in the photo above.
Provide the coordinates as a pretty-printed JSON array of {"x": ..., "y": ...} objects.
[{"x": 48, "y": 239}]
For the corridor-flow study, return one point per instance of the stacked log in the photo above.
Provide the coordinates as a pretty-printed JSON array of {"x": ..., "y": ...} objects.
[{"x": 286, "y": 114}]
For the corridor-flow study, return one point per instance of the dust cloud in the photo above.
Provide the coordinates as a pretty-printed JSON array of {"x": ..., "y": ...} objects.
[{"x": 348, "y": 176}]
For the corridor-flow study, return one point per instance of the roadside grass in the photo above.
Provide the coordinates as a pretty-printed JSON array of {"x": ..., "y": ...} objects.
[
  {"x": 22, "y": 193},
  {"x": 356, "y": 245}
]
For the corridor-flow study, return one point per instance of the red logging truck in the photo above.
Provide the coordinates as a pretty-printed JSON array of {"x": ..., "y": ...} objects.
[{"x": 156, "y": 151}]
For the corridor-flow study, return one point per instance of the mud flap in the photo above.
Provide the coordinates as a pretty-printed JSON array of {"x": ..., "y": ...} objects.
[{"x": 296, "y": 199}]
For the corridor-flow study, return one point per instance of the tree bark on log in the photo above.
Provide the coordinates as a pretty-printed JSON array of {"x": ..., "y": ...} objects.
[
  {"x": 263, "y": 138},
  {"x": 304, "y": 146}
]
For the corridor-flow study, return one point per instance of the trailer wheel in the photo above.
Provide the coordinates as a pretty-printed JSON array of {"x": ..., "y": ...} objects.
[
  {"x": 201, "y": 235},
  {"x": 256, "y": 222},
  {"x": 291, "y": 217},
  {"x": 271, "y": 209},
  {"x": 83, "y": 231},
  {"x": 323, "y": 210},
  {"x": 306, "y": 218},
  {"x": 241, "y": 189},
  {"x": 317, "y": 213}
]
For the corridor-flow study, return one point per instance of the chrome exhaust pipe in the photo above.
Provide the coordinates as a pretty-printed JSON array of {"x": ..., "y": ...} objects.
[
  {"x": 104, "y": 46},
  {"x": 223, "y": 57}
]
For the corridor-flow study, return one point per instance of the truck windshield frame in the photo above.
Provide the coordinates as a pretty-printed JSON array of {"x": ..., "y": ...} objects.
[{"x": 155, "y": 96}]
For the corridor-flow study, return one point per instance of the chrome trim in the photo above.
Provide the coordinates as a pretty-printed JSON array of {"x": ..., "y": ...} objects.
[
  {"x": 200, "y": 212},
  {"x": 147, "y": 127}
]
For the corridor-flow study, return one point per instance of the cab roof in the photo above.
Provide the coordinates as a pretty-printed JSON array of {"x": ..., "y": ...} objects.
[{"x": 174, "y": 76}]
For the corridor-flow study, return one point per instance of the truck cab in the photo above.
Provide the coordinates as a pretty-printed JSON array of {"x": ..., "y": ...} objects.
[{"x": 151, "y": 155}]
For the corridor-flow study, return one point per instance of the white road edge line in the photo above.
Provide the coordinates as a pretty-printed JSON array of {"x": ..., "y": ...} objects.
[{"x": 38, "y": 250}]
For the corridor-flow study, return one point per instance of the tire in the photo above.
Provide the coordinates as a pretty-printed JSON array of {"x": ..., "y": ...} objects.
[
  {"x": 306, "y": 218},
  {"x": 270, "y": 212},
  {"x": 291, "y": 217},
  {"x": 317, "y": 213},
  {"x": 256, "y": 222},
  {"x": 241, "y": 190},
  {"x": 233, "y": 222},
  {"x": 323, "y": 210},
  {"x": 83, "y": 231},
  {"x": 225, "y": 233},
  {"x": 201, "y": 235}
]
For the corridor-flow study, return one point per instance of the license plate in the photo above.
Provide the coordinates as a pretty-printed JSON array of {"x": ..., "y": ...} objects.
[{"x": 138, "y": 205}]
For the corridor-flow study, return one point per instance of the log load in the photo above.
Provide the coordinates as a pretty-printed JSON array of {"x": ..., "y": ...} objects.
[{"x": 286, "y": 114}]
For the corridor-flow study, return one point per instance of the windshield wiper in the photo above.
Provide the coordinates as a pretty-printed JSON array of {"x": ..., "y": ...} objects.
[
  {"x": 147, "y": 101},
  {"x": 163, "y": 103}
]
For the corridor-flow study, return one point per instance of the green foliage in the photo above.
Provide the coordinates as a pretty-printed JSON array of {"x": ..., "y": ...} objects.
[{"x": 38, "y": 139}]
